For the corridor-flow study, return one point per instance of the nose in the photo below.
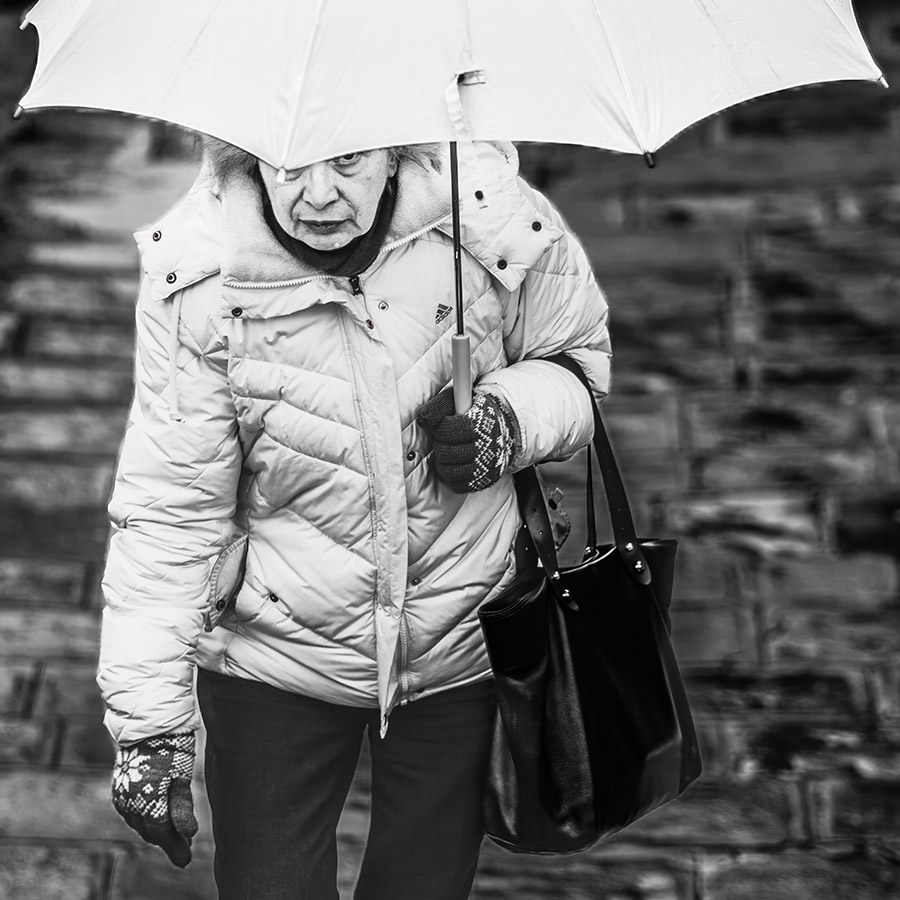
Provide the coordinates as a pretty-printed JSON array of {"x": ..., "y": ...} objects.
[{"x": 318, "y": 187}]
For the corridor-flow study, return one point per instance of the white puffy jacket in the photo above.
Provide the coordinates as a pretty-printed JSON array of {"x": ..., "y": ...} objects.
[{"x": 272, "y": 449}]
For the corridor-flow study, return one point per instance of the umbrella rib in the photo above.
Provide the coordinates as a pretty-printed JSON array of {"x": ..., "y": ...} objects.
[
  {"x": 853, "y": 37},
  {"x": 626, "y": 86},
  {"x": 29, "y": 20},
  {"x": 292, "y": 120}
]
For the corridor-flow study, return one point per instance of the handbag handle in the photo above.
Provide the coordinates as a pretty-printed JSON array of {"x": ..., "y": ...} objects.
[{"x": 533, "y": 508}]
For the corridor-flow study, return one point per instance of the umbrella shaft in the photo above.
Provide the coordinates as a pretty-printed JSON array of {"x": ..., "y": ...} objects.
[{"x": 457, "y": 241}]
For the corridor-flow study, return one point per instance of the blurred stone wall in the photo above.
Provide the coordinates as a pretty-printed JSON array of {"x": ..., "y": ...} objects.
[{"x": 754, "y": 283}]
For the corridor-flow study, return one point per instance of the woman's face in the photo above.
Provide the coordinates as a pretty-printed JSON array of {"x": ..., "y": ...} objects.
[{"x": 328, "y": 204}]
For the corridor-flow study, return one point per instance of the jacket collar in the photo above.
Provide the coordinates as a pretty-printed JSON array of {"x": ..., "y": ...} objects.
[
  {"x": 251, "y": 255},
  {"x": 221, "y": 229}
]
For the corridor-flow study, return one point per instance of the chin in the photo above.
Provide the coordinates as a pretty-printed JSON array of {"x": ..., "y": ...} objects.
[
  {"x": 324, "y": 241},
  {"x": 318, "y": 243}
]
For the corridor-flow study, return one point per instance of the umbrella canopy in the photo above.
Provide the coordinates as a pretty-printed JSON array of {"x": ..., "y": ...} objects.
[{"x": 300, "y": 81}]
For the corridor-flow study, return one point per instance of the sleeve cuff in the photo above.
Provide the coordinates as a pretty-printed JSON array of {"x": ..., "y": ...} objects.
[{"x": 553, "y": 411}]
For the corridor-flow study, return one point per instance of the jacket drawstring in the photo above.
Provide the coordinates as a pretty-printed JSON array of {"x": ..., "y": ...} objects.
[{"x": 174, "y": 409}]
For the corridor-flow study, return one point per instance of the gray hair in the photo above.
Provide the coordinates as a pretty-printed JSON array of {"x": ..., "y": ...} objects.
[{"x": 228, "y": 161}]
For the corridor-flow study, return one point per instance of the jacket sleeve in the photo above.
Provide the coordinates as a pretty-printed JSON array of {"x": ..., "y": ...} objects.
[
  {"x": 171, "y": 508},
  {"x": 559, "y": 307}
]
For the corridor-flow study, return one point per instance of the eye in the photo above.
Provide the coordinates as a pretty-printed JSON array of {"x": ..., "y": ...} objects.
[{"x": 347, "y": 159}]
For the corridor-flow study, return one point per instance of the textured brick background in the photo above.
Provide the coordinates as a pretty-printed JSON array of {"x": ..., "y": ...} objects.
[{"x": 754, "y": 278}]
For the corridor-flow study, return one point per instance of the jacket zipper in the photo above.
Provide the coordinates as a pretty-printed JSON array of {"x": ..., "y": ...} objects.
[
  {"x": 357, "y": 403},
  {"x": 411, "y": 237},
  {"x": 265, "y": 285},
  {"x": 358, "y": 291},
  {"x": 404, "y": 655}
]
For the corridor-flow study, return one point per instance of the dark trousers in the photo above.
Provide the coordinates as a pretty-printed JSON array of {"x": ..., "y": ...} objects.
[{"x": 278, "y": 769}]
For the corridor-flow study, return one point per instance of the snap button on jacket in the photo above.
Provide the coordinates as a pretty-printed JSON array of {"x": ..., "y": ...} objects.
[{"x": 287, "y": 525}]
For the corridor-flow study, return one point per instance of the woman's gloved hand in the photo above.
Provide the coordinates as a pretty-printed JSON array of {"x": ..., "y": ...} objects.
[
  {"x": 152, "y": 792},
  {"x": 473, "y": 450}
]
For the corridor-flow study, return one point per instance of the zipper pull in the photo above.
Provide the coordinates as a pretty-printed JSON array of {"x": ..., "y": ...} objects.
[{"x": 357, "y": 289}]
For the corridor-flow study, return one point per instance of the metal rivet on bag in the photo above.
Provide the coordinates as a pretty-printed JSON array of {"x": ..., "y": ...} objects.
[
  {"x": 552, "y": 504},
  {"x": 220, "y": 604},
  {"x": 479, "y": 195},
  {"x": 536, "y": 226},
  {"x": 273, "y": 598},
  {"x": 157, "y": 235},
  {"x": 629, "y": 546},
  {"x": 171, "y": 277},
  {"x": 639, "y": 566},
  {"x": 417, "y": 581},
  {"x": 502, "y": 263},
  {"x": 566, "y": 594},
  {"x": 555, "y": 576},
  {"x": 237, "y": 312}
]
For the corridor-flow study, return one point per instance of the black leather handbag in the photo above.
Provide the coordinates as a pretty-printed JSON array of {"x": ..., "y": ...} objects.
[{"x": 593, "y": 727}]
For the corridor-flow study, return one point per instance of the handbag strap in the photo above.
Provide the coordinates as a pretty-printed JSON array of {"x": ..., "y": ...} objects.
[
  {"x": 590, "y": 506},
  {"x": 532, "y": 503}
]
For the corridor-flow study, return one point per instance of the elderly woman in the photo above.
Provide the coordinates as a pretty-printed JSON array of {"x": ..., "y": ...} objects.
[{"x": 300, "y": 517}]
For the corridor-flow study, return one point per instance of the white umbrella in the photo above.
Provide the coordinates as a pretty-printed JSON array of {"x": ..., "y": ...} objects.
[{"x": 297, "y": 81}]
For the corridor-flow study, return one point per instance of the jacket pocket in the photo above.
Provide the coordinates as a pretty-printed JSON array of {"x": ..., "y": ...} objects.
[
  {"x": 225, "y": 581},
  {"x": 512, "y": 569}
]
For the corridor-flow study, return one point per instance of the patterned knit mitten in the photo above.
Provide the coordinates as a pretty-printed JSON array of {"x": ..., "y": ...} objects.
[
  {"x": 473, "y": 450},
  {"x": 152, "y": 792}
]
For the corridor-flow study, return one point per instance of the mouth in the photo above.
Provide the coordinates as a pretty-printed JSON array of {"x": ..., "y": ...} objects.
[{"x": 326, "y": 226}]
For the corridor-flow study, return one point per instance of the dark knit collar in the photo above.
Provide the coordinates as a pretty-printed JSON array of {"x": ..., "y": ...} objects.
[{"x": 343, "y": 262}]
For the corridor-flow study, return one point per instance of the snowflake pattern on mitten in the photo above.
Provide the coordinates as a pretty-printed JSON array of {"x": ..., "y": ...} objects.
[
  {"x": 145, "y": 773},
  {"x": 495, "y": 443}
]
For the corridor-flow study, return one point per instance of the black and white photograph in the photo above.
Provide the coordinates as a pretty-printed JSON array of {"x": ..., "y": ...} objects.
[{"x": 450, "y": 450}]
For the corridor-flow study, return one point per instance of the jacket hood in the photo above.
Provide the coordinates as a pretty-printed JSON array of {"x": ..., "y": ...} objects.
[{"x": 220, "y": 228}]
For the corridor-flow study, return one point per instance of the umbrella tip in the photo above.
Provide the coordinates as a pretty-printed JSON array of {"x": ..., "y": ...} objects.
[
  {"x": 17, "y": 112},
  {"x": 281, "y": 177},
  {"x": 883, "y": 81},
  {"x": 24, "y": 23},
  {"x": 649, "y": 159}
]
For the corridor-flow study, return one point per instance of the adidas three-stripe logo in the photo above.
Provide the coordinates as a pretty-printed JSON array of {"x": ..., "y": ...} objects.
[{"x": 442, "y": 313}]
